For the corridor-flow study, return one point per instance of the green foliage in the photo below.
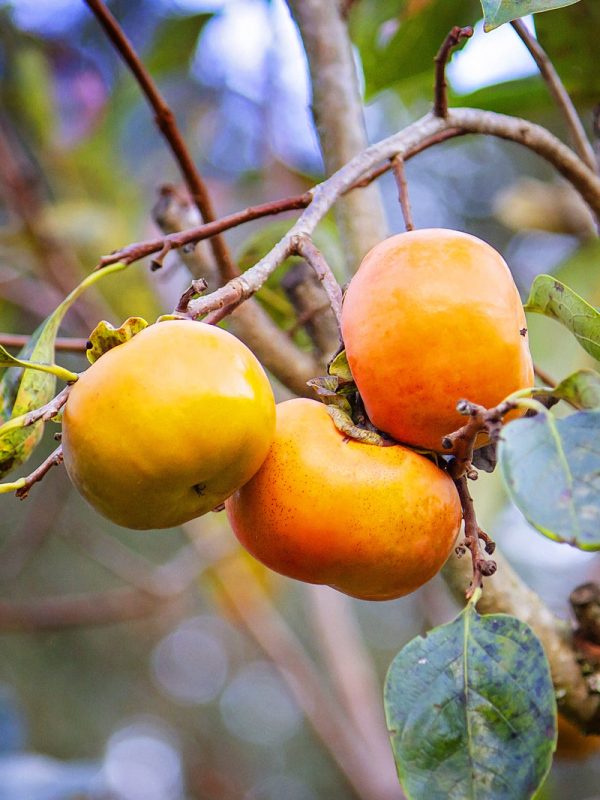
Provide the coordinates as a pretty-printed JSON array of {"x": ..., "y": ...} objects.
[
  {"x": 552, "y": 471},
  {"x": 23, "y": 390},
  {"x": 497, "y": 12},
  {"x": 398, "y": 40},
  {"x": 471, "y": 711},
  {"x": 581, "y": 390},
  {"x": 570, "y": 37},
  {"x": 552, "y": 298},
  {"x": 175, "y": 42}
]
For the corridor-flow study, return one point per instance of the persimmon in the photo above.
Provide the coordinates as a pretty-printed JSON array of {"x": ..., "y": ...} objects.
[
  {"x": 432, "y": 317},
  {"x": 373, "y": 522},
  {"x": 162, "y": 428}
]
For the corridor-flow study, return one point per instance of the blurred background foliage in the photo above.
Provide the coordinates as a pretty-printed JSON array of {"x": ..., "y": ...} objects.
[{"x": 184, "y": 703}]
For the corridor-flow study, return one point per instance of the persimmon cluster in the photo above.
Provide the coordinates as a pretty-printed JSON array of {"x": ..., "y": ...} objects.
[{"x": 181, "y": 417}]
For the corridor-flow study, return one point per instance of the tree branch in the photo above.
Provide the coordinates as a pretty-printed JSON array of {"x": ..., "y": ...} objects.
[
  {"x": 427, "y": 129},
  {"x": 339, "y": 118},
  {"x": 16, "y": 341},
  {"x": 305, "y": 247},
  {"x": 277, "y": 352},
  {"x": 559, "y": 93},
  {"x": 452, "y": 40},
  {"x": 403, "y": 198},
  {"x": 165, "y": 121}
]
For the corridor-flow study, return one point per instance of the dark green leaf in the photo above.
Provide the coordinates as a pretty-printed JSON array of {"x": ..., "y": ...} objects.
[
  {"x": 555, "y": 300},
  {"x": 581, "y": 390},
  {"x": 471, "y": 711},
  {"x": 497, "y": 12},
  {"x": 552, "y": 471}
]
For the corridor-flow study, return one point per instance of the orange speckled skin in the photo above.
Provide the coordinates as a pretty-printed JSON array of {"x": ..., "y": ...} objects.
[
  {"x": 164, "y": 427},
  {"x": 373, "y": 522},
  {"x": 430, "y": 318}
]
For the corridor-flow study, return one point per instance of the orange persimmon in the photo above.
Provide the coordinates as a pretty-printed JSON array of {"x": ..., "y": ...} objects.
[
  {"x": 432, "y": 317},
  {"x": 373, "y": 522}
]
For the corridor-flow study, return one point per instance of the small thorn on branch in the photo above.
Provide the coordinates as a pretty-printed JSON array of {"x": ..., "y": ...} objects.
[
  {"x": 452, "y": 40},
  {"x": 196, "y": 288},
  {"x": 400, "y": 176}
]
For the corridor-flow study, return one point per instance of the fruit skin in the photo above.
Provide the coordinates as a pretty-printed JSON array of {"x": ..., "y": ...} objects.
[
  {"x": 373, "y": 522},
  {"x": 432, "y": 317},
  {"x": 162, "y": 428}
]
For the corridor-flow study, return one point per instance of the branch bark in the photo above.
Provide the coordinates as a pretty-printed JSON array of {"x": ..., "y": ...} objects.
[
  {"x": 338, "y": 115},
  {"x": 427, "y": 129},
  {"x": 165, "y": 121},
  {"x": 559, "y": 93}
]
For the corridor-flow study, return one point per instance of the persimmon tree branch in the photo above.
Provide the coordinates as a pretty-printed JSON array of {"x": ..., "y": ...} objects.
[
  {"x": 165, "y": 121},
  {"x": 403, "y": 198},
  {"x": 339, "y": 118},
  {"x": 428, "y": 128},
  {"x": 452, "y": 40},
  {"x": 277, "y": 352},
  {"x": 559, "y": 93},
  {"x": 16, "y": 341}
]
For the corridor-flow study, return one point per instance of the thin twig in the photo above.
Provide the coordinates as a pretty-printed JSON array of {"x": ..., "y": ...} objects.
[
  {"x": 16, "y": 341},
  {"x": 452, "y": 40},
  {"x": 544, "y": 376},
  {"x": 325, "y": 194},
  {"x": 461, "y": 442},
  {"x": 138, "y": 250},
  {"x": 166, "y": 123},
  {"x": 43, "y": 413},
  {"x": 403, "y": 198},
  {"x": 304, "y": 246},
  {"x": 482, "y": 567},
  {"x": 53, "y": 460},
  {"x": 559, "y": 93}
]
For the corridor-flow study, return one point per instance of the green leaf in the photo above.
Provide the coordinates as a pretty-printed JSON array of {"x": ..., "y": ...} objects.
[
  {"x": 581, "y": 390},
  {"x": 105, "y": 336},
  {"x": 174, "y": 43},
  {"x": 471, "y": 711},
  {"x": 552, "y": 470},
  {"x": 554, "y": 299},
  {"x": 340, "y": 368},
  {"x": 399, "y": 40},
  {"x": 497, "y": 12},
  {"x": 23, "y": 390}
]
